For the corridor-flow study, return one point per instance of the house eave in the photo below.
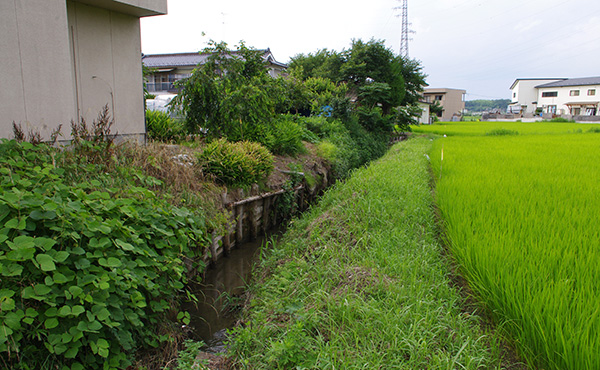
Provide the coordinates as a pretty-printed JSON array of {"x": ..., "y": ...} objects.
[{"x": 138, "y": 8}]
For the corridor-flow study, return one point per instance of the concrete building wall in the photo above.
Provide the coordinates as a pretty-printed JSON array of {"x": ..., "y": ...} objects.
[
  {"x": 108, "y": 70},
  {"x": 62, "y": 60},
  {"x": 451, "y": 100},
  {"x": 37, "y": 86}
]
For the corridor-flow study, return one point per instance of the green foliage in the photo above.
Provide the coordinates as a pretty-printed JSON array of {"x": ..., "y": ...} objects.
[
  {"x": 374, "y": 120},
  {"x": 241, "y": 164},
  {"x": 482, "y": 105},
  {"x": 372, "y": 73},
  {"x": 88, "y": 272},
  {"x": 160, "y": 126},
  {"x": 229, "y": 95},
  {"x": 348, "y": 144},
  {"x": 287, "y": 136},
  {"x": 322, "y": 64},
  {"x": 406, "y": 116},
  {"x": 371, "y": 63},
  {"x": 561, "y": 119},
  {"x": 186, "y": 358},
  {"x": 328, "y": 150}
]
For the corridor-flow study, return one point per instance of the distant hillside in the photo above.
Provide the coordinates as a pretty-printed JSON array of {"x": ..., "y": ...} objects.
[{"x": 487, "y": 105}]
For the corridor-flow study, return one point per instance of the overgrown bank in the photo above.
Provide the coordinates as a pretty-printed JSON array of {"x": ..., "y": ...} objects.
[{"x": 360, "y": 281}]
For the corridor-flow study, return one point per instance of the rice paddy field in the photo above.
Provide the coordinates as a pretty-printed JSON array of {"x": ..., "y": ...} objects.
[
  {"x": 521, "y": 218},
  {"x": 499, "y": 128}
]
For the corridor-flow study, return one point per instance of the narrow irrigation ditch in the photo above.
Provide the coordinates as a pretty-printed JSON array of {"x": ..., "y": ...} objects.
[{"x": 255, "y": 220}]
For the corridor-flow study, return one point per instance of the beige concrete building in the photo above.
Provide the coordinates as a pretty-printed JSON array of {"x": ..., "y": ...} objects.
[
  {"x": 451, "y": 100},
  {"x": 65, "y": 59}
]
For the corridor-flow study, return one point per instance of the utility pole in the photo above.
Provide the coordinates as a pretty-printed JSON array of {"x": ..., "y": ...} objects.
[{"x": 405, "y": 31}]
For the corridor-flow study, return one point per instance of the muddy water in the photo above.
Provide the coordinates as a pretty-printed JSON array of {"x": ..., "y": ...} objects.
[{"x": 220, "y": 293}]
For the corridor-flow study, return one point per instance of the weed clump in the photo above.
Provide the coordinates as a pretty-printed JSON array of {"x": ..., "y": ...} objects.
[{"x": 242, "y": 163}]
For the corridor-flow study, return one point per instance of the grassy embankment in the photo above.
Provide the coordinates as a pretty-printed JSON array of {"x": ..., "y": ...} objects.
[
  {"x": 361, "y": 282},
  {"x": 521, "y": 216}
]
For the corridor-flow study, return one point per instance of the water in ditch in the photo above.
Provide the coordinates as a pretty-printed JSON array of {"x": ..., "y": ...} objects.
[{"x": 221, "y": 293}]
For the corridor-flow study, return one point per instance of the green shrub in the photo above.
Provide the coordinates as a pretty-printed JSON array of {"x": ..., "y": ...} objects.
[
  {"x": 242, "y": 163},
  {"x": 87, "y": 276},
  {"x": 323, "y": 127},
  {"x": 594, "y": 130},
  {"x": 561, "y": 119},
  {"x": 287, "y": 137},
  {"x": 327, "y": 150},
  {"x": 160, "y": 126}
]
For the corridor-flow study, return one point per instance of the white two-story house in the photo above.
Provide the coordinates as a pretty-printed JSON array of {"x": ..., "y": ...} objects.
[
  {"x": 556, "y": 96},
  {"x": 524, "y": 95},
  {"x": 574, "y": 96}
]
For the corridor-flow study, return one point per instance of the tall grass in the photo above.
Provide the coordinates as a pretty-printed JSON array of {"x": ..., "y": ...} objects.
[
  {"x": 521, "y": 218},
  {"x": 483, "y": 128},
  {"x": 359, "y": 282}
]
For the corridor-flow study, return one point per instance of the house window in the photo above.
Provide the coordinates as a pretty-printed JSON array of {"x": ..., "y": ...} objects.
[
  {"x": 552, "y": 109},
  {"x": 514, "y": 95},
  {"x": 439, "y": 97},
  {"x": 550, "y": 94},
  {"x": 591, "y": 92},
  {"x": 574, "y": 93},
  {"x": 576, "y": 111}
]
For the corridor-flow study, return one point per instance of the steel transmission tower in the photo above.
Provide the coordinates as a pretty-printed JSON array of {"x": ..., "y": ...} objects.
[{"x": 404, "y": 34}]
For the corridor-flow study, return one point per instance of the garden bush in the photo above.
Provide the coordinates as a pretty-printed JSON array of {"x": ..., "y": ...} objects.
[
  {"x": 160, "y": 126},
  {"x": 287, "y": 137},
  {"x": 240, "y": 164},
  {"x": 87, "y": 275}
]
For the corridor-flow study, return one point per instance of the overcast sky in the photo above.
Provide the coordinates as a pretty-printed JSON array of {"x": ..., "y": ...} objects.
[{"x": 481, "y": 46}]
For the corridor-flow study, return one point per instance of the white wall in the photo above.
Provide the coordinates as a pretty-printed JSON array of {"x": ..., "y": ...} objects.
[
  {"x": 564, "y": 97},
  {"x": 527, "y": 94}
]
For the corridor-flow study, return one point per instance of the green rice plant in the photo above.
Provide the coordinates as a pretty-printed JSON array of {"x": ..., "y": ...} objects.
[
  {"x": 359, "y": 282},
  {"x": 242, "y": 163},
  {"x": 501, "y": 132},
  {"x": 481, "y": 128},
  {"x": 521, "y": 219}
]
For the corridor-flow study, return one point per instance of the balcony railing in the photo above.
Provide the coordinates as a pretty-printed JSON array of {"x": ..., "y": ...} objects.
[{"x": 162, "y": 86}]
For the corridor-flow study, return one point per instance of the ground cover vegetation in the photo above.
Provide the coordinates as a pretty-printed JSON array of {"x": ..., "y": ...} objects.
[
  {"x": 360, "y": 282},
  {"x": 94, "y": 251},
  {"x": 520, "y": 217}
]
